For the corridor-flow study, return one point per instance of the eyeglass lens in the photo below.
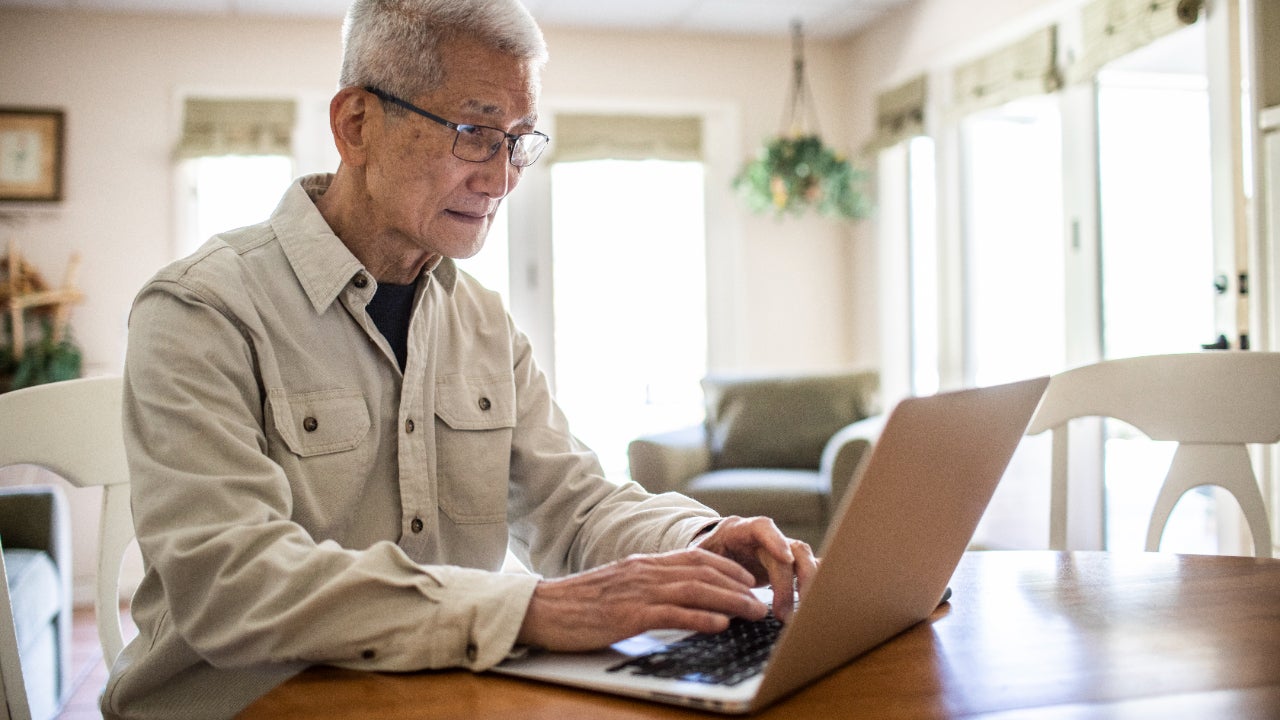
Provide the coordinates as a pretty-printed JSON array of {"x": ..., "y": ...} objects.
[{"x": 476, "y": 143}]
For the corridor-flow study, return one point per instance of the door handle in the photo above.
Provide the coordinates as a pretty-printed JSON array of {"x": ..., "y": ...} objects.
[{"x": 1222, "y": 343}]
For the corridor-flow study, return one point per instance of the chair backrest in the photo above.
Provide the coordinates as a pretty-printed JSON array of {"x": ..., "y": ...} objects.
[
  {"x": 74, "y": 429},
  {"x": 1212, "y": 404},
  {"x": 13, "y": 690}
]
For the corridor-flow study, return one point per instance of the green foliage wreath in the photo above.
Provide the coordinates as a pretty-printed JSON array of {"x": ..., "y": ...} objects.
[{"x": 793, "y": 174}]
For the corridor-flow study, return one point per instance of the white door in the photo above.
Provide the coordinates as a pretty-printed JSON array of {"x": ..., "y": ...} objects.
[
  {"x": 630, "y": 299},
  {"x": 1104, "y": 221},
  {"x": 1169, "y": 277}
]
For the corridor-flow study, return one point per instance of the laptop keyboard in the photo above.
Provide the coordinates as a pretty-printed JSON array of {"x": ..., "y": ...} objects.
[{"x": 724, "y": 658}]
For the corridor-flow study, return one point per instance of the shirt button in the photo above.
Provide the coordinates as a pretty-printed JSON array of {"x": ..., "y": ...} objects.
[
  {"x": 360, "y": 281},
  {"x": 416, "y": 525},
  {"x": 408, "y": 425},
  {"x": 485, "y": 404},
  {"x": 310, "y": 424}
]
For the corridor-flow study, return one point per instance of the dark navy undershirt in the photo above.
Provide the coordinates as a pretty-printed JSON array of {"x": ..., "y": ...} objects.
[{"x": 391, "y": 309}]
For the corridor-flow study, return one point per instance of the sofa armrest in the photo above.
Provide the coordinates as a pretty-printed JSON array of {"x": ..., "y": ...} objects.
[
  {"x": 36, "y": 517},
  {"x": 664, "y": 462},
  {"x": 845, "y": 454}
]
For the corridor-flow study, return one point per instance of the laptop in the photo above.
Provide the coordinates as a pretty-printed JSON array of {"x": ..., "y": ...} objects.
[{"x": 887, "y": 558}]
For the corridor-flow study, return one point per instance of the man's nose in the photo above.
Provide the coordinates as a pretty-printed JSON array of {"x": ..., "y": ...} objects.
[{"x": 496, "y": 176}]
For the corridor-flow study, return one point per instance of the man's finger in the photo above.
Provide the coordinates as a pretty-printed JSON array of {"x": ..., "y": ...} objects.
[
  {"x": 800, "y": 574},
  {"x": 806, "y": 567},
  {"x": 782, "y": 578},
  {"x": 698, "y": 557},
  {"x": 697, "y": 595}
]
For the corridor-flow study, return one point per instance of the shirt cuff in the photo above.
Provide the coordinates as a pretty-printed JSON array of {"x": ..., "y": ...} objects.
[{"x": 702, "y": 532}]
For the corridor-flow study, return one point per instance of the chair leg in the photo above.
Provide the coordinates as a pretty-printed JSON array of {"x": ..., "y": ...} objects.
[{"x": 1227, "y": 466}]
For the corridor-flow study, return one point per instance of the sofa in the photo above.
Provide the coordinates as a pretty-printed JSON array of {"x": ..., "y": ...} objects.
[
  {"x": 35, "y": 532},
  {"x": 782, "y": 446}
]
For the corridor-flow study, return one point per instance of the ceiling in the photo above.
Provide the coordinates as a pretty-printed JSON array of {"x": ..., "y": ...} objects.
[{"x": 819, "y": 18}]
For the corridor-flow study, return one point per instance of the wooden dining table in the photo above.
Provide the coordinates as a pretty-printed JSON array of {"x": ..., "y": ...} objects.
[{"x": 1056, "y": 635}]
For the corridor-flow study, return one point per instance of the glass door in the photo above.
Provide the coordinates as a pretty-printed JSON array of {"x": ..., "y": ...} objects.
[
  {"x": 1013, "y": 241},
  {"x": 630, "y": 299},
  {"x": 1014, "y": 297},
  {"x": 1159, "y": 286}
]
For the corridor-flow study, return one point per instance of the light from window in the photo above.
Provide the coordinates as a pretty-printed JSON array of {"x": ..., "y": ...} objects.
[
  {"x": 1014, "y": 267},
  {"x": 1157, "y": 254},
  {"x": 922, "y": 177},
  {"x": 1015, "y": 258},
  {"x": 629, "y": 273},
  {"x": 232, "y": 191}
]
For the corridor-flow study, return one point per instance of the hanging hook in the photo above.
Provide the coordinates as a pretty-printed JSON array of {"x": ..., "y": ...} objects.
[
  {"x": 799, "y": 109},
  {"x": 797, "y": 52},
  {"x": 796, "y": 121}
]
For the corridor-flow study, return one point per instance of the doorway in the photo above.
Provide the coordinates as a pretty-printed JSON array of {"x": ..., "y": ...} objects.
[
  {"x": 1156, "y": 251},
  {"x": 630, "y": 299}
]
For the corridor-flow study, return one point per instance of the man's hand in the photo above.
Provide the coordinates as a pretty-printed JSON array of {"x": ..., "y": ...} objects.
[
  {"x": 758, "y": 546},
  {"x": 687, "y": 589},
  {"x": 698, "y": 589}
]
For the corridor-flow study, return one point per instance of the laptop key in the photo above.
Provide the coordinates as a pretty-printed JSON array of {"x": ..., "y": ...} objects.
[{"x": 728, "y": 657}]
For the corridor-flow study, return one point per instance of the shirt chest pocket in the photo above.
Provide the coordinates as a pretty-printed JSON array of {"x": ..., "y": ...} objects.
[
  {"x": 475, "y": 419},
  {"x": 321, "y": 422}
]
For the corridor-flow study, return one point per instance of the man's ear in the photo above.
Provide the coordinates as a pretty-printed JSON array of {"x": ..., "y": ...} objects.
[{"x": 348, "y": 117}]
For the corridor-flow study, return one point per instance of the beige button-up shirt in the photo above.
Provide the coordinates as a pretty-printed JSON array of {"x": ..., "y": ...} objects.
[{"x": 299, "y": 500}]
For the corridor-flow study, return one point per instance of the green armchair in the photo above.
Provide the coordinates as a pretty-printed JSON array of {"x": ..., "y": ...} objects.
[
  {"x": 35, "y": 531},
  {"x": 783, "y": 446}
]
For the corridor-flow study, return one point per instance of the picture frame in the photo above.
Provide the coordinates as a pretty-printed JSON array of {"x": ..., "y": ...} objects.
[{"x": 31, "y": 154}]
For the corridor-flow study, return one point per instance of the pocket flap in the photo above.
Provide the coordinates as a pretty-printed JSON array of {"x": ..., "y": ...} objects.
[
  {"x": 320, "y": 422},
  {"x": 476, "y": 403}
]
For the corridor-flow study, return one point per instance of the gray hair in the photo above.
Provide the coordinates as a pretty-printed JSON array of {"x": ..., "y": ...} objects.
[{"x": 394, "y": 45}]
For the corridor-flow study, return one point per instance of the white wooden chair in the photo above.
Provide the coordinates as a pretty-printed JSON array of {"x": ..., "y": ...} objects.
[
  {"x": 1212, "y": 404},
  {"x": 12, "y": 687},
  {"x": 74, "y": 429}
]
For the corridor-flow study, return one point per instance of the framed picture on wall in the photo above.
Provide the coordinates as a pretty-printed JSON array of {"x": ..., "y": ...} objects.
[{"x": 31, "y": 147}]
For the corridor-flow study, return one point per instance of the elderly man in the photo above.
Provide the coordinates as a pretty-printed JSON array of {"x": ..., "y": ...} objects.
[{"x": 335, "y": 436}]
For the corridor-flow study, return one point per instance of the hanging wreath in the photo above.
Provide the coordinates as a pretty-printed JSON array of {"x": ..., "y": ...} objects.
[
  {"x": 795, "y": 174},
  {"x": 795, "y": 171}
]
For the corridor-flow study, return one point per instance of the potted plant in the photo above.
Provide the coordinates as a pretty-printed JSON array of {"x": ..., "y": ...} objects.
[{"x": 44, "y": 361}]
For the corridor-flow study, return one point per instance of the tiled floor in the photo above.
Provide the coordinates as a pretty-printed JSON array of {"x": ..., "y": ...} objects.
[{"x": 89, "y": 671}]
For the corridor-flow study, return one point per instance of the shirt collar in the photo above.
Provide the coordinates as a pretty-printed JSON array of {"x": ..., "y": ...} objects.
[{"x": 323, "y": 264}]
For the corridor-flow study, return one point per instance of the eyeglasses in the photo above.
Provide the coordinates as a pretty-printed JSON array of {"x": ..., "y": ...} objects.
[{"x": 478, "y": 143}]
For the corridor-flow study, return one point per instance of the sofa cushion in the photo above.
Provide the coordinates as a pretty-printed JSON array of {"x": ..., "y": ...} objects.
[
  {"x": 35, "y": 592},
  {"x": 787, "y": 496},
  {"x": 780, "y": 421}
]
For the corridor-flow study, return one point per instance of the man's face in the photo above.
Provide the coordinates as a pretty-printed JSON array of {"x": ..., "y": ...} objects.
[{"x": 420, "y": 193}]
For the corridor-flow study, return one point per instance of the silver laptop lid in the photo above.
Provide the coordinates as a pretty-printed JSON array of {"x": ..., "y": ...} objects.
[{"x": 903, "y": 526}]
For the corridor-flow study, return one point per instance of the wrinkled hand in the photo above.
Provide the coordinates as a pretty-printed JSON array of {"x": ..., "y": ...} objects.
[
  {"x": 686, "y": 589},
  {"x": 758, "y": 546}
]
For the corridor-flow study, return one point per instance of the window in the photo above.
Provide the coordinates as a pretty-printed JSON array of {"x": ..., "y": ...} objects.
[
  {"x": 1013, "y": 241},
  {"x": 236, "y": 160},
  {"x": 1154, "y": 192},
  {"x": 230, "y": 191},
  {"x": 1014, "y": 314},
  {"x": 922, "y": 178},
  {"x": 629, "y": 277}
]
